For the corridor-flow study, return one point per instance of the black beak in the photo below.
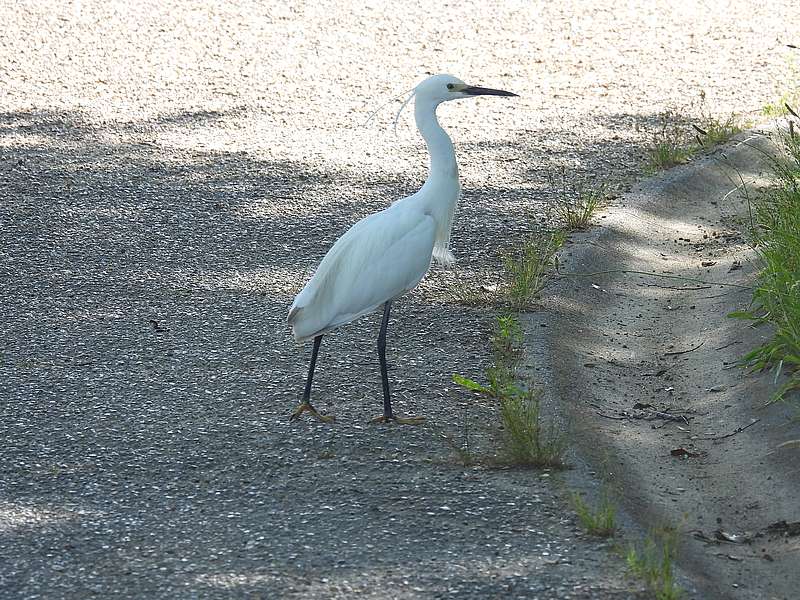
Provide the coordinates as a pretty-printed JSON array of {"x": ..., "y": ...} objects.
[{"x": 473, "y": 90}]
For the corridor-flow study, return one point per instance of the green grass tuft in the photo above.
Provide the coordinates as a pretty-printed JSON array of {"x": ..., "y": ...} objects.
[
  {"x": 506, "y": 342},
  {"x": 713, "y": 132},
  {"x": 652, "y": 563},
  {"x": 527, "y": 269},
  {"x": 526, "y": 440},
  {"x": 788, "y": 92},
  {"x": 776, "y": 298},
  {"x": 577, "y": 213},
  {"x": 600, "y": 521},
  {"x": 778, "y": 107},
  {"x": 680, "y": 137},
  {"x": 668, "y": 153},
  {"x": 671, "y": 143}
]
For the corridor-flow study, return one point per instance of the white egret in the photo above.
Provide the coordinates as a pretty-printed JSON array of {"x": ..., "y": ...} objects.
[{"x": 386, "y": 254}]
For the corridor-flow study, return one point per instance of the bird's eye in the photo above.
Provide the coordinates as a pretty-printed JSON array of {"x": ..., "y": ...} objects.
[{"x": 450, "y": 86}]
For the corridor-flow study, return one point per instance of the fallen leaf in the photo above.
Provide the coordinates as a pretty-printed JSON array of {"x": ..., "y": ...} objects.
[
  {"x": 733, "y": 538},
  {"x": 708, "y": 263},
  {"x": 684, "y": 453}
]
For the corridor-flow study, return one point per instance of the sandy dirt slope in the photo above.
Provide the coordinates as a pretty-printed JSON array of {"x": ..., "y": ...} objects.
[
  {"x": 655, "y": 359},
  {"x": 170, "y": 174}
]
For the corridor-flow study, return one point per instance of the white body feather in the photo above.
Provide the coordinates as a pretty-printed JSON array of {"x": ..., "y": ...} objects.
[{"x": 386, "y": 254}]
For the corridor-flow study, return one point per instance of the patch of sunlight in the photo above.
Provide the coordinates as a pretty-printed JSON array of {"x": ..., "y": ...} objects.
[
  {"x": 113, "y": 212},
  {"x": 28, "y": 140},
  {"x": 283, "y": 205},
  {"x": 631, "y": 219},
  {"x": 371, "y": 583},
  {"x": 198, "y": 137},
  {"x": 17, "y": 516},
  {"x": 273, "y": 281},
  {"x": 280, "y": 207},
  {"x": 232, "y": 580}
]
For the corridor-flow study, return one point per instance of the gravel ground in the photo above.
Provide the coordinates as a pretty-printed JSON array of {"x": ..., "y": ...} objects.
[{"x": 168, "y": 178}]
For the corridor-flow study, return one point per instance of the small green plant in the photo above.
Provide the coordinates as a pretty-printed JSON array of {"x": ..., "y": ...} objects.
[
  {"x": 506, "y": 341},
  {"x": 711, "y": 130},
  {"x": 652, "y": 563},
  {"x": 776, "y": 297},
  {"x": 778, "y": 107},
  {"x": 576, "y": 213},
  {"x": 526, "y": 440},
  {"x": 666, "y": 154},
  {"x": 671, "y": 144},
  {"x": 526, "y": 270},
  {"x": 600, "y": 521}
]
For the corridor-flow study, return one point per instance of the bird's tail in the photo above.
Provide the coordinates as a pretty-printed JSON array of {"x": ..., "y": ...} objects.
[
  {"x": 295, "y": 319},
  {"x": 294, "y": 313}
]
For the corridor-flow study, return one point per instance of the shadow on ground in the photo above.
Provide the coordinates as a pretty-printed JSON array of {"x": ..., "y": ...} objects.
[{"x": 147, "y": 375}]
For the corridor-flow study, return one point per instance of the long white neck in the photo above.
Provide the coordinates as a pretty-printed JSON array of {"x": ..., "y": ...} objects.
[
  {"x": 439, "y": 195},
  {"x": 443, "y": 158}
]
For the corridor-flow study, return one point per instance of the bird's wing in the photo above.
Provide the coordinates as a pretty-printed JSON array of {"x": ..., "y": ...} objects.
[{"x": 379, "y": 258}]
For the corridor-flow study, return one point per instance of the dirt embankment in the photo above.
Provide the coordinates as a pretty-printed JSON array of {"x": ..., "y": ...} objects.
[{"x": 647, "y": 368}]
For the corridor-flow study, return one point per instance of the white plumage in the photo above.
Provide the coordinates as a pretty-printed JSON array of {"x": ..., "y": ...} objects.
[
  {"x": 386, "y": 254},
  {"x": 379, "y": 258}
]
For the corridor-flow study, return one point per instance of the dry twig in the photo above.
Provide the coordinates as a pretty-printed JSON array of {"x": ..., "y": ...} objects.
[
  {"x": 738, "y": 430},
  {"x": 677, "y": 352}
]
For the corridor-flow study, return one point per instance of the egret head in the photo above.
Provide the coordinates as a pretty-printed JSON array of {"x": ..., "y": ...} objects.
[{"x": 441, "y": 88}]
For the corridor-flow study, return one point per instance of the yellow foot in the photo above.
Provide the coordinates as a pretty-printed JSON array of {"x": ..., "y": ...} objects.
[
  {"x": 306, "y": 407},
  {"x": 399, "y": 420}
]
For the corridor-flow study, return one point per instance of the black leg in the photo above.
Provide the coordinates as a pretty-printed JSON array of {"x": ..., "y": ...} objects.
[
  {"x": 306, "y": 405},
  {"x": 307, "y": 392},
  {"x": 387, "y": 402}
]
